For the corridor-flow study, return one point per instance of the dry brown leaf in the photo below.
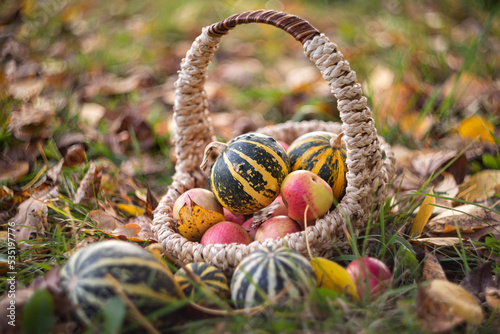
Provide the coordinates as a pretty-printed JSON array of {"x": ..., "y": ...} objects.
[
  {"x": 145, "y": 165},
  {"x": 479, "y": 279},
  {"x": 468, "y": 218},
  {"x": 91, "y": 113},
  {"x": 27, "y": 88},
  {"x": 106, "y": 220},
  {"x": 480, "y": 186},
  {"x": 448, "y": 187},
  {"x": 432, "y": 269},
  {"x": 426, "y": 163},
  {"x": 111, "y": 84},
  {"x": 75, "y": 155},
  {"x": 90, "y": 186},
  {"x": 439, "y": 242},
  {"x": 129, "y": 230},
  {"x": 30, "y": 218},
  {"x": 13, "y": 170},
  {"x": 465, "y": 88},
  {"x": 32, "y": 120}
]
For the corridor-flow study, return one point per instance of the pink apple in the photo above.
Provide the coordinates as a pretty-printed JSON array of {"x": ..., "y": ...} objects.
[
  {"x": 247, "y": 225},
  {"x": 370, "y": 275},
  {"x": 233, "y": 217},
  {"x": 276, "y": 227},
  {"x": 283, "y": 144},
  {"x": 281, "y": 210},
  {"x": 226, "y": 232},
  {"x": 204, "y": 198},
  {"x": 301, "y": 188}
]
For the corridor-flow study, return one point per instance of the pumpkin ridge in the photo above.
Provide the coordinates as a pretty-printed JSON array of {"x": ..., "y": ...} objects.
[
  {"x": 275, "y": 155},
  {"x": 247, "y": 187}
]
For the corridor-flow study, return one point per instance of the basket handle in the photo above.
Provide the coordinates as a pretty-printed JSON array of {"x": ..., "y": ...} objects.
[{"x": 194, "y": 131}]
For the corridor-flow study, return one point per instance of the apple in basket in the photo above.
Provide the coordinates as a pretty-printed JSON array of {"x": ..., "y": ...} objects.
[
  {"x": 276, "y": 227},
  {"x": 195, "y": 211},
  {"x": 303, "y": 189},
  {"x": 226, "y": 232}
]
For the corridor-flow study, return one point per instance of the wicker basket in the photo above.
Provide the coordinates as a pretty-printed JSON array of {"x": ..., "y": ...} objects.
[{"x": 370, "y": 159}]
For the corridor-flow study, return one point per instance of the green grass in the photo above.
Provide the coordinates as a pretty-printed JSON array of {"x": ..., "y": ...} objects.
[{"x": 419, "y": 42}]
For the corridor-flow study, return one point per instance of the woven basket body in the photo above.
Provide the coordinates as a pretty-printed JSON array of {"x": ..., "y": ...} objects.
[{"x": 370, "y": 160}]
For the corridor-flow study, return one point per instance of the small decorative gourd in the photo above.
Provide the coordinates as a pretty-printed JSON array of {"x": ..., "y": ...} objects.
[
  {"x": 324, "y": 154},
  {"x": 268, "y": 272},
  {"x": 207, "y": 277},
  {"x": 145, "y": 281},
  {"x": 247, "y": 175}
]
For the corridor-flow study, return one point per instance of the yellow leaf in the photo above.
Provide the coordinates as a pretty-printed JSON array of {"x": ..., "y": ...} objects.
[
  {"x": 476, "y": 126},
  {"x": 332, "y": 275},
  {"x": 480, "y": 186},
  {"x": 458, "y": 300},
  {"x": 423, "y": 215},
  {"x": 195, "y": 220},
  {"x": 130, "y": 209}
]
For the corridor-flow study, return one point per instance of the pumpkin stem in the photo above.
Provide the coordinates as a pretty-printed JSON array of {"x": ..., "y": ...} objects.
[
  {"x": 215, "y": 145},
  {"x": 337, "y": 141}
]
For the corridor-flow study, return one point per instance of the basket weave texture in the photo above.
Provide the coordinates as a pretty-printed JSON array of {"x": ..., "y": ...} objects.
[{"x": 370, "y": 160}]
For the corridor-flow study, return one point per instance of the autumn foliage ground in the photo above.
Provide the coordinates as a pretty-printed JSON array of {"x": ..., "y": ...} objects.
[{"x": 86, "y": 96}]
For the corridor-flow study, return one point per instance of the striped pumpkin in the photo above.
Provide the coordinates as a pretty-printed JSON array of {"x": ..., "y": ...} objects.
[
  {"x": 264, "y": 273},
  {"x": 324, "y": 154},
  {"x": 211, "y": 278},
  {"x": 247, "y": 175},
  {"x": 146, "y": 282}
]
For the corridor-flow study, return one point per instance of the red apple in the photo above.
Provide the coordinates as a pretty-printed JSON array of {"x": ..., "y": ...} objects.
[
  {"x": 276, "y": 227},
  {"x": 370, "y": 275},
  {"x": 247, "y": 225},
  {"x": 281, "y": 210},
  {"x": 226, "y": 232},
  {"x": 301, "y": 188},
  {"x": 204, "y": 198},
  {"x": 233, "y": 217}
]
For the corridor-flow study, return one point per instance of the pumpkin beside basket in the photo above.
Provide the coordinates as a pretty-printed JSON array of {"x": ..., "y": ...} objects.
[{"x": 370, "y": 160}]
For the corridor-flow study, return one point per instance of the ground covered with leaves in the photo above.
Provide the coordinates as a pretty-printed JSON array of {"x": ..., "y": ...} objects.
[{"x": 86, "y": 97}]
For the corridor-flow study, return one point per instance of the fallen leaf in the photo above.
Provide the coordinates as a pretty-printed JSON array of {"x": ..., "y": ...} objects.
[
  {"x": 129, "y": 230},
  {"x": 439, "y": 242},
  {"x": 75, "y": 155},
  {"x": 130, "y": 209},
  {"x": 432, "y": 269},
  {"x": 426, "y": 163},
  {"x": 27, "y": 89},
  {"x": 480, "y": 186},
  {"x": 492, "y": 296},
  {"x": 435, "y": 315},
  {"x": 29, "y": 218},
  {"x": 448, "y": 187},
  {"x": 91, "y": 113},
  {"x": 90, "y": 186},
  {"x": 467, "y": 217},
  {"x": 106, "y": 220},
  {"x": 479, "y": 279},
  {"x": 465, "y": 88},
  {"x": 476, "y": 126},
  {"x": 13, "y": 170},
  {"x": 423, "y": 215},
  {"x": 32, "y": 120},
  {"x": 143, "y": 165}
]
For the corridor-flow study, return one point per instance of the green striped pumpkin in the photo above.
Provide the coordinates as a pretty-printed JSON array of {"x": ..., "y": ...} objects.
[
  {"x": 146, "y": 282},
  {"x": 324, "y": 154},
  {"x": 264, "y": 273},
  {"x": 247, "y": 175},
  {"x": 210, "y": 276}
]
